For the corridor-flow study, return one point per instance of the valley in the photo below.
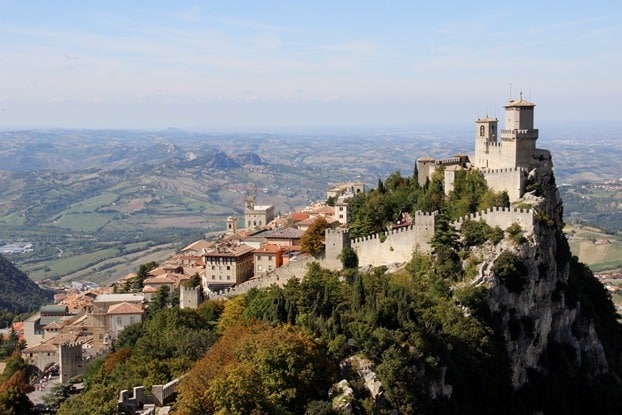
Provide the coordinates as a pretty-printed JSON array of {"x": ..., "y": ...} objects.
[{"x": 96, "y": 204}]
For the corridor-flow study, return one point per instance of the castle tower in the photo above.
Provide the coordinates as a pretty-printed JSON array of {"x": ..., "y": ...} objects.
[
  {"x": 190, "y": 297},
  {"x": 335, "y": 241},
  {"x": 249, "y": 203},
  {"x": 519, "y": 137},
  {"x": 485, "y": 137},
  {"x": 232, "y": 226}
]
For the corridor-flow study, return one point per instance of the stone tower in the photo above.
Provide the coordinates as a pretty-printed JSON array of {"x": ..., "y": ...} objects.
[
  {"x": 335, "y": 241},
  {"x": 232, "y": 225},
  {"x": 190, "y": 297},
  {"x": 518, "y": 139},
  {"x": 485, "y": 137},
  {"x": 519, "y": 134}
]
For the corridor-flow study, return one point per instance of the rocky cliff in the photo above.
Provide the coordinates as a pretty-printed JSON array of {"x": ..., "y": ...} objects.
[
  {"x": 529, "y": 331},
  {"x": 557, "y": 321}
]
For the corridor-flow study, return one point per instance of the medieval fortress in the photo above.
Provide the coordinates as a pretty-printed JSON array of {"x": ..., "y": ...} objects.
[{"x": 505, "y": 164}]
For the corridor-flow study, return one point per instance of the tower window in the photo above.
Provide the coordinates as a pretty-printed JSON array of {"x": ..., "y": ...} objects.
[{"x": 482, "y": 131}]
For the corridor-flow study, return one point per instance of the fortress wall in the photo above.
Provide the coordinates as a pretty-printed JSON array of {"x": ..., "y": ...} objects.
[
  {"x": 494, "y": 156},
  {"x": 335, "y": 240},
  {"x": 502, "y": 217},
  {"x": 399, "y": 244},
  {"x": 512, "y": 180}
]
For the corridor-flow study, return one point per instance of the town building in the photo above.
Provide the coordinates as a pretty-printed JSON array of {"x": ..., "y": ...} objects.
[
  {"x": 267, "y": 258},
  {"x": 257, "y": 216},
  {"x": 101, "y": 320},
  {"x": 122, "y": 315},
  {"x": 227, "y": 265}
]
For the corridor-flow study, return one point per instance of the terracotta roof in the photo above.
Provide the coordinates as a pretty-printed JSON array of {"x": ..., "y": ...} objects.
[
  {"x": 53, "y": 325},
  {"x": 326, "y": 210},
  {"x": 268, "y": 248},
  {"x": 298, "y": 216},
  {"x": 197, "y": 246},
  {"x": 229, "y": 251},
  {"x": 125, "y": 308},
  {"x": 41, "y": 348},
  {"x": 286, "y": 233},
  {"x": 150, "y": 289},
  {"x": 311, "y": 221},
  {"x": 160, "y": 279}
]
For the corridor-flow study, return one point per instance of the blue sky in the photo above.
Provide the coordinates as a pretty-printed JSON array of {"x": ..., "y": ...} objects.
[{"x": 269, "y": 65}]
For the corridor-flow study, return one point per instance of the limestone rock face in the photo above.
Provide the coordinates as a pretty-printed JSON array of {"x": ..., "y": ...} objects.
[{"x": 540, "y": 315}]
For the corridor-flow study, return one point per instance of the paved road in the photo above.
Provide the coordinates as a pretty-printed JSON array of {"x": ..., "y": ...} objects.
[{"x": 37, "y": 395}]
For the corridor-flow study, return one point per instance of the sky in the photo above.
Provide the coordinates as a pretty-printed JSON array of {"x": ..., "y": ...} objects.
[{"x": 270, "y": 65}]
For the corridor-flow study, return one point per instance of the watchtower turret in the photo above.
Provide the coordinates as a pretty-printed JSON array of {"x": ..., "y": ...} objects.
[{"x": 519, "y": 136}]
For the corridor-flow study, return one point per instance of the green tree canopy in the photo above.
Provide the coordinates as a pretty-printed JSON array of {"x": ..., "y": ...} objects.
[{"x": 313, "y": 239}]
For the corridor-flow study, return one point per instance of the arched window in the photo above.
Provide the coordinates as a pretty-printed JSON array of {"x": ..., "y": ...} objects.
[{"x": 482, "y": 131}]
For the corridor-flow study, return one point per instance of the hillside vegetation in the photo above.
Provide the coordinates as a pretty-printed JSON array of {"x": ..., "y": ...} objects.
[
  {"x": 422, "y": 340},
  {"x": 18, "y": 293}
]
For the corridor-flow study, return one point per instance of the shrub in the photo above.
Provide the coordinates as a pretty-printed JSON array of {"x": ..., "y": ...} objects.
[
  {"x": 509, "y": 268},
  {"x": 474, "y": 233},
  {"x": 516, "y": 233}
]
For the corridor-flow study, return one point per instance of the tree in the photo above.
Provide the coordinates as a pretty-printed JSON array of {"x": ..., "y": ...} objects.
[
  {"x": 380, "y": 186},
  {"x": 313, "y": 239},
  {"x": 256, "y": 368},
  {"x": 160, "y": 300},
  {"x": 349, "y": 258},
  {"x": 142, "y": 274},
  {"x": 13, "y": 395}
]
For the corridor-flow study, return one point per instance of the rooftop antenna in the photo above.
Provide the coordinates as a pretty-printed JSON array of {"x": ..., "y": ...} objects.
[
  {"x": 510, "y": 91},
  {"x": 521, "y": 95}
]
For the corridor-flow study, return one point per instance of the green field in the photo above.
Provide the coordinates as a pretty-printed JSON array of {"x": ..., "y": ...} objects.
[{"x": 599, "y": 250}]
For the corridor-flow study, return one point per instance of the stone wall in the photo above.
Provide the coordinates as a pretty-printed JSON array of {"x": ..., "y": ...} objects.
[
  {"x": 190, "y": 297},
  {"x": 512, "y": 180},
  {"x": 398, "y": 245},
  {"x": 503, "y": 218},
  {"x": 161, "y": 395},
  {"x": 70, "y": 361}
]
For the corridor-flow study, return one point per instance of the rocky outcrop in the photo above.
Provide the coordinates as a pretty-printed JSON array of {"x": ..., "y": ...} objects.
[{"x": 540, "y": 316}]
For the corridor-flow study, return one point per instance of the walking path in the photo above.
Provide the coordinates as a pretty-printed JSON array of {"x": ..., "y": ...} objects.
[{"x": 42, "y": 389}]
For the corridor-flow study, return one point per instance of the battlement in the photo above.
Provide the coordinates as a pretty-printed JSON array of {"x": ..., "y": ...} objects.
[
  {"x": 337, "y": 231},
  {"x": 420, "y": 213},
  {"x": 502, "y": 217},
  {"x": 160, "y": 396},
  {"x": 67, "y": 345},
  {"x": 494, "y": 144}
]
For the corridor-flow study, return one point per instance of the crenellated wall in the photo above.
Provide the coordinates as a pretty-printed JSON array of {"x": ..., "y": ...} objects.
[
  {"x": 502, "y": 217},
  {"x": 396, "y": 245},
  {"x": 161, "y": 395}
]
